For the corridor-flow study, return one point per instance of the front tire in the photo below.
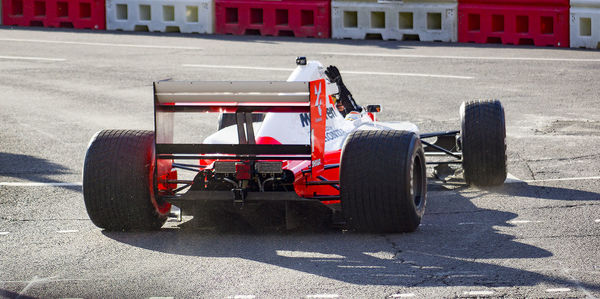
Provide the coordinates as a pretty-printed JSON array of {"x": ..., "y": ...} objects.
[
  {"x": 483, "y": 139},
  {"x": 383, "y": 181},
  {"x": 118, "y": 181}
]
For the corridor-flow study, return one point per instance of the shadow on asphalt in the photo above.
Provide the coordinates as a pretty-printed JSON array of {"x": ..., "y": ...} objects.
[
  {"x": 544, "y": 192},
  {"x": 9, "y": 294},
  {"x": 449, "y": 249},
  {"x": 33, "y": 169}
]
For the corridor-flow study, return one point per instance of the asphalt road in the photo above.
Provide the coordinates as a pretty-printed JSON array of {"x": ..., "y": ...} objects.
[{"x": 537, "y": 236}]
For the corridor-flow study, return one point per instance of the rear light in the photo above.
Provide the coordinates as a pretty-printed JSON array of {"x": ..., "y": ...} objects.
[
  {"x": 242, "y": 171},
  {"x": 224, "y": 167},
  {"x": 269, "y": 167}
]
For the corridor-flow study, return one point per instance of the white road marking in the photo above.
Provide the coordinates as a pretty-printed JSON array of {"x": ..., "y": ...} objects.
[
  {"x": 50, "y": 279},
  {"x": 38, "y": 184},
  {"x": 33, "y": 281},
  {"x": 479, "y": 293},
  {"x": 241, "y": 67},
  {"x": 306, "y": 254},
  {"x": 323, "y": 296},
  {"x": 161, "y": 297},
  {"x": 4, "y": 233},
  {"x": 564, "y": 179},
  {"x": 67, "y": 231},
  {"x": 362, "y": 267},
  {"x": 28, "y": 286},
  {"x": 523, "y": 221},
  {"x": 240, "y": 297},
  {"x": 238, "y": 67},
  {"x": 511, "y": 179},
  {"x": 558, "y": 290},
  {"x": 405, "y": 295},
  {"x": 47, "y": 134},
  {"x": 409, "y": 75},
  {"x": 467, "y": 223},
  {"x": 461, "y": 57},
  {"x": 597, "y": 220},
  {"x": 384, "y": 255},
  {"x": 95, "y": 44},
  {"x": 579, "y": 285},
  {"x": 31, "y": 58}
]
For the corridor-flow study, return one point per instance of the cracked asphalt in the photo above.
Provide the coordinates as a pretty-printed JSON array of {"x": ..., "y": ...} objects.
[{"x": 536, "y": 236}]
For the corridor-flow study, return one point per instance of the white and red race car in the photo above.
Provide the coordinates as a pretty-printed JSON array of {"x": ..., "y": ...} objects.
[{"x": 300, "y": 140}]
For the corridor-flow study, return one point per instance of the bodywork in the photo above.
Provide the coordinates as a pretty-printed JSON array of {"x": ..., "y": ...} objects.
[{"x": 302, "y": 131}]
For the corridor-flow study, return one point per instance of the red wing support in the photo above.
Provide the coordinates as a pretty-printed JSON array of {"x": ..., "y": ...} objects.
[{"x": 318, "y": 117}]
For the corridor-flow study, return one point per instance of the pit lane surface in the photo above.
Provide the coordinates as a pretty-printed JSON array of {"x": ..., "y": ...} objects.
[{"x": 535, "y": 237}]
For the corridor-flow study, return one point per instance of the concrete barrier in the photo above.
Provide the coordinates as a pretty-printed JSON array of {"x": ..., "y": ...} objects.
[
  {"x": 299, "y": 18},
  {"x": 80, "y": 14},
  {"x": 514, "y": 22},
  {"x": 585, "y": 24},
  {"x": 395, "y": 20},
  {"x": 187, "y": 16}
]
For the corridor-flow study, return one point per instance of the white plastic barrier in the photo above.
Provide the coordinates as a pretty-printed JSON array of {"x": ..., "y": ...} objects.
[
  {"x": 188, "y": 16},
  {"x": 395, "y": 20},
  {"x": 585, "y": 24}
]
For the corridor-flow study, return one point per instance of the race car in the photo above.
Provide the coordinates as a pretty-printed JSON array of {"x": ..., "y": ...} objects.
[{"x": 303, "y": 140}]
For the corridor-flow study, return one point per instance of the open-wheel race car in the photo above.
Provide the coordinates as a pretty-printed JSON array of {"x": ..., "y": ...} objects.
[{"x": 304, "y": 140}]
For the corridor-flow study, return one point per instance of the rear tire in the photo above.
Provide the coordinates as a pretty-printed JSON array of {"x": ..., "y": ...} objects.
[
  {"x": 483, "y": 139},
  {"x": 383, "y": 181},
  {"x": 118, "y": 181}
]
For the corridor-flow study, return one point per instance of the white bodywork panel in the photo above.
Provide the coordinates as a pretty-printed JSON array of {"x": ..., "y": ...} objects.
[{"x": 293, "y": 128}]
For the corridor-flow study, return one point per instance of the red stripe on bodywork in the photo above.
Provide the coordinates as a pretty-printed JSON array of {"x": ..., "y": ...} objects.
[{"x": 318, "y": 115}]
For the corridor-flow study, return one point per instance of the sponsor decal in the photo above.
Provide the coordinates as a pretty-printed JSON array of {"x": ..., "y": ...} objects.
[
  {"x": 305, "y": 117},
  {"x": 333, "y": 134},
  {"x": 316, "y": 163},
  {"x": 317, "y": 124}
]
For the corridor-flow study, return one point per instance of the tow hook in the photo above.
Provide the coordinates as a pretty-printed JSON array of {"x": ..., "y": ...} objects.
[
  {"x": 239, "y": 195},
  {"x": 176, "y": 213}
]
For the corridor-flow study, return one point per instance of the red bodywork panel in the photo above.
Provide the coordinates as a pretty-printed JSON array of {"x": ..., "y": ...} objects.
[{"x": 317, "y": 125}]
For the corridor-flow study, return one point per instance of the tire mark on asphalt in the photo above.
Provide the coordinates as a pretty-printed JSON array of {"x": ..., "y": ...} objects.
[{"x": 578, "y": 284}]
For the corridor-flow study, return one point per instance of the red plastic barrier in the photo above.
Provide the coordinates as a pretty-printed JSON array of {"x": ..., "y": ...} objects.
[
  {"x": 306, "y": 18},
  {"x": 516, "y": 22},
  {"x": 85, "y": 14}
]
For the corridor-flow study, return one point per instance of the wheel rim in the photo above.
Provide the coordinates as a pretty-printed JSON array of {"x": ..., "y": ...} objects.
[
  {"x": 417, "y": 182},
  {"x": 162, "y": 208}
]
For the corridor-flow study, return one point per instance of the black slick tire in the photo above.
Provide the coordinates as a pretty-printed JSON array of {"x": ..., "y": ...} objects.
[
  {"x": 383, "y": 182},
  {"x": 483, "y": 140},
  {"x": 117, "y": 188}
]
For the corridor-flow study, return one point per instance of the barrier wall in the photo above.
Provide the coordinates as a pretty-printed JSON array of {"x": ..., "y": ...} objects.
[
  {"x": 585, "y": 24},
  {"x": 300, "y": 18},
  {"x": 191, "y": 16},
  {"x": 516, "y": 22},
  {"x": 425, "y": 21},
  {"x": 83, "y": 14}
]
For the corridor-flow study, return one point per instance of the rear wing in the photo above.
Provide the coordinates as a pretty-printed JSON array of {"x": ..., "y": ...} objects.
[{"x": 241, "y": 98}]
